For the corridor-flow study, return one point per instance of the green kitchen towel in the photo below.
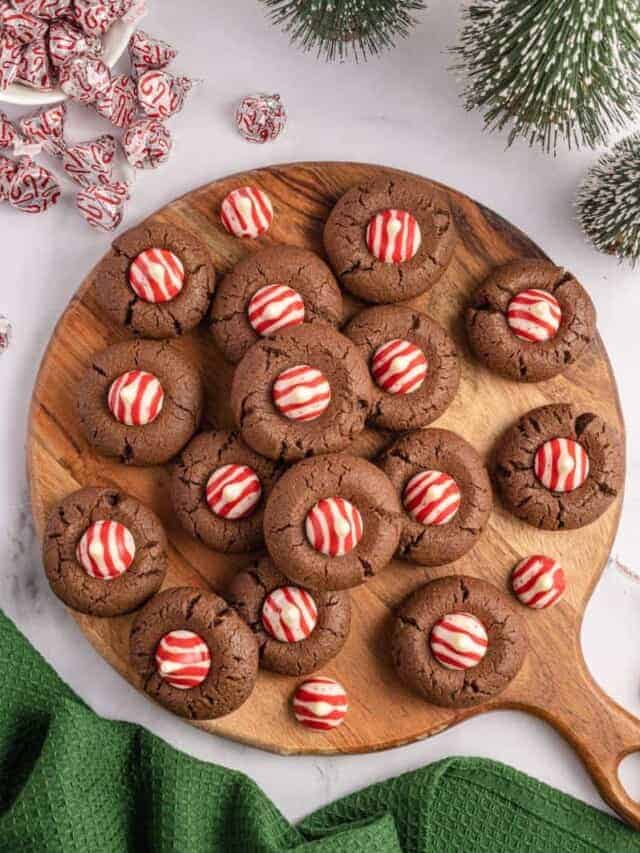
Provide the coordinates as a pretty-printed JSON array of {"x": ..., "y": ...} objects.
[{"x": 75, "y": 783}]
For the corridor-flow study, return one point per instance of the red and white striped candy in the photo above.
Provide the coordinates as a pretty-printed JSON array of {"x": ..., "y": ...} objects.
[
  {"x": 320, "y": 703},
  {"x": 118, "y": 101},
  {"x": 88, "y": 163},
  {"x": 136, "y": 398},
  {"x": 399, "y": 367},
  {"x": 102, "y": 205},
  {"x": 160, "y": 94},
  {"x": 393, "y": 236},
  {"x": 301, "y": 393},
  {"x": 289, "y": 614},
  {"x": 538, "y": 582},
  {"x": 233, "y": 491},
  {"x": 275, "y": 307},
  {"x": 561, "y": 465},
  {"x": 432, "y": 498},
  {"x": 334, "y": 526},
  {"x": 106, "y": 550},
  {"x": 247, "y": 212},
  {"x": 183, "y": 659},
  {"x": 459, "y": 641},
  {"x": 156, "y": 275},
  {"x": 534, "y": 315}
]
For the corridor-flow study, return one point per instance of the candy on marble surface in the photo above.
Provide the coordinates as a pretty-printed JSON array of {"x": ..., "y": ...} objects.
[
  {"x": 91, "y": 162},
  {"x": 46, "y": 127},
  {"x": 149, "y": 54},
  {"x": 261, "y": 117},
  {"x": 8, "y": 132},
  {"x": 118, "y": 102},
  {"x": 6, "y": 333},
  {"x": 162, "y": 95},
  {"x": 147, "y": 143},
  {"x": 7, "y": 171},
  {"x": 102, "y": 205},
  {"x": 33, "y": 189}
]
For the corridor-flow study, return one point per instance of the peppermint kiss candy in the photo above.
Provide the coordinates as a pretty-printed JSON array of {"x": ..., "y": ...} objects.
[
  {"x": 289, "y": 614},
  {"x": 459, "y": 641},
  {"x": 46, "y": 127},
  {"x": 233, "y": 491},
  {"x": 103, "y": 205},
  {"x": 88, "y": 163},
  {"x": 320, "y": 703},
  {"x": 118, "y": 101},
  {"x": 67, "y": 40},
  {"x": 33, "y": 188},
  {"x": 561, "y": 465},
  {"x": 275, "y": 307},
  {"x": 534, "y": 315},
  {"x": 136, "y": 398},
  {"x": 83, "y": 78},
  {"x": 399, "y": 367},
  {"x": 432, "y": 498},
  {"x": 47, "y": 9},
  {"x": 106, "y": 550},
  {"x": 147, "y": 53},
  {"x": 538, "y": 582},
  {"x": 10, "y": 56},
  {"x": 160, "y": 94},
  {"x": 156, "y": 275},
  {"x": 183, "y": 659},
  {"x": 95, "y": 17},
  {"x": 7, "y": 172},
  {"x": 261, "y": 118},
  {"x": 247, "y": 212},
  {"x": 147, "y": 143},
  {"x": 334, "y": 527},
  {"x": 393, "y": 236},
  {"x": 8, "y": 132},
  {"x": 35, "y": 67},
  {"x": 301, "y": 393},
  {"x": 22, "y": 26}
]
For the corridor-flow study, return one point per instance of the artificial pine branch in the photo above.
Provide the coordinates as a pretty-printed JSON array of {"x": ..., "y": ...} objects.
[
  {"x": 608, "y": 202},
  {"x": 340, "y": 28},
  {"x": 552, "y": 69}
]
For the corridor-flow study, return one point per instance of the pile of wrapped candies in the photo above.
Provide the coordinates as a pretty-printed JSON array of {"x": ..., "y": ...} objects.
[{"x": 138, "y": 103}]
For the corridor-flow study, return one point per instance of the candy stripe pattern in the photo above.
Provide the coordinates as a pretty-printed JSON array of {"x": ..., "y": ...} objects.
[
  {"x": 233, "y": 491},
  {"x": 334, "y": 527},
  {"x": 301, "y": 393},
  {"x": 561, "y": 465},
  {"x": 459, "y": 641},
  {"x": 275, "y": 307},
  {"x": 136, "y": 398},
  {"x": 156, "y": 275},
  {"x": 432, "y": 497},
  {"x": 534, "y": 315},
  {"x": 289, "y": 614},
  {"x": 399, "y": 367},
  {"x": 538, "y": 582},
  {"x": 393, "y": 236},
  {"x": 183, "y": 659},
  {"x": 320, "y": 703},
  {"x": 247, "y": 212},
  {"x": 106, "y": 550}
]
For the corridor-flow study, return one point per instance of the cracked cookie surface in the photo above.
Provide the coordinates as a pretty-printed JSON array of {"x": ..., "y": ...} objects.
[
  {"x": 147, "y": 319},
  {"x": 346, "y": 246},
  {"x": 233, "y": 649},
  {"x": 156, "y": 442},
  {"x": 299, "y": 269},
  {"x": 374, "y": 327},
  {"x": 67, "y": 524},
  {"x": 299, "y": 489},
  {"x": 525, "y": 495},
  {"x": 418, "y": 668},
  {"x": 502, "y": 351},
  {"x": 247, "y": 594},
  {"x": 272, "y": 434}
]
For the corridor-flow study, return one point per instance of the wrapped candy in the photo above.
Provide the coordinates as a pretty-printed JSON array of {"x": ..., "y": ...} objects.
[
  {"x": 10, "y": 56},
  {"x": 7, "y": 171},
  {"x": 261, "y": 118},
  {"x": 118, "y": 103},
  {"x": 67, "y": 40},
  {"x": 83, "y": 78},
  {"x": 103, "y": 206},
  {"x": 89, "y": 163},
  {"x": 162, "y": 95},
  {"x": 45, "y": 9},
  {"x": 147, "y": 143},
  {"x": 35, "y": 67},
  {"x": 47, "y": 128},
  {"x": 6, "y": 333},
  {"x": 22, "y": 25},
  {"x": 32, "y": 189},
  {"x": 149, "y": 54},
  {"x": 95, "y": 17},
  {"x": 8, "y": 132}
]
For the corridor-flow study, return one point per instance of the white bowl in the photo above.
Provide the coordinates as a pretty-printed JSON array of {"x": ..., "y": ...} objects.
[{"x": 114, "y": 44}]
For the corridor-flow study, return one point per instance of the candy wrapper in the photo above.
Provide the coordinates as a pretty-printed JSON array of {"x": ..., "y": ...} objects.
[
  {"x": 8, "y": 132},
  {"x": 118, "y": 103},
  {"x": 6, "y": 333},
  {"x": 89, "y": 163},
  {"x": 147, "y": 143},
  {"x": 21, "y": 25},
  {"x": 95, "y": 17},
  {"x": 149, "y": 54},
  {"x": 261, "y": 118},
  {"x": 45, "y": 9},
  {"x": 32, "y": 189},
  {"x": 35, "y": 68},
  {"x": 7, "y": 171},
  {"x": 84, "y": 78},
  {"x": 46, "y": 127},
  {"x": 103, "y": 206},
  {"x": 10, "y": 56},
  {"x": 162, "y": 95},
  {"x": 66, "y": 41}
]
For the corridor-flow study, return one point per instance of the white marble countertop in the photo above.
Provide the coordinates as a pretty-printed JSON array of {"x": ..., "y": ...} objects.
[{"x": 401, "y": 110}]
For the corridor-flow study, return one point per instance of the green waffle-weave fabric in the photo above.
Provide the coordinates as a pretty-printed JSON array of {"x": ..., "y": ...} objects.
[{"x": 72, "y": 782}]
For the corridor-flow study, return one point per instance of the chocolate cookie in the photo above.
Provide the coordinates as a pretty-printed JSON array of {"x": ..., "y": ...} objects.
[
  {"x": 104, "y": 552},
  {"x": 332, "y": 521},
  {"x": 304, "y": 392},
  {"x": 391, "y": 238},
  {"x": 157, "y": 281},
  {"x": 559, "y": 468},
  {"x": 269, "y": 291},
  {"x": 193, "y": 653},
  {"x": 413, "y": 363},
  {"x": 140, "y": 401},
  {"x": 445, "y": 492},
  {"x": 414, "y": 652},
  {"x": 218, "y": 490},
  {"x": 530, "y": 320},
  {"x": 298, "y": 631}
]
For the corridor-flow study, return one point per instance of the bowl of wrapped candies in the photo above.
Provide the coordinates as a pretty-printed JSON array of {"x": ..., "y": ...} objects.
[{"x": 41, "y": 40}]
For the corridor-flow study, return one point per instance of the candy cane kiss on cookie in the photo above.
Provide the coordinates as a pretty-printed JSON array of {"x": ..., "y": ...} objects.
[
  {"x": 289, "y": 614},
  {"x": 561, "y": 465},
  {"x": 183, "y": 659},
  {"x": 334, "y": 526},
  {"x": 106, "y": 550},
  {"x": 136, "y": 398},
  {"x": 393, "y": 236},
  {"x": 459, "y": 641}
]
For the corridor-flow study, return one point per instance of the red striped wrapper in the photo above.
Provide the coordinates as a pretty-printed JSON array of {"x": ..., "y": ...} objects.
[
  {"x": 320, "y": 703},
  {"x": 459, "y": 641},
  {"x": 289, "y": 614},
  {"x": 561, "y": 465},
  {"x": 106, "y": 550},
  {"x": 183, "y": 659},
  {"x": 156, "y": 275}
]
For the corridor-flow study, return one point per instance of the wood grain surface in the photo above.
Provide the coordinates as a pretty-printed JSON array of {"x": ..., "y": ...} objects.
[{"x": 554, "y": 683}]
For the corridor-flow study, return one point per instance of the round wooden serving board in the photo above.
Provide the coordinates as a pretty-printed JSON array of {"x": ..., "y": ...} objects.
[{"x": 554, "y": 683}]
